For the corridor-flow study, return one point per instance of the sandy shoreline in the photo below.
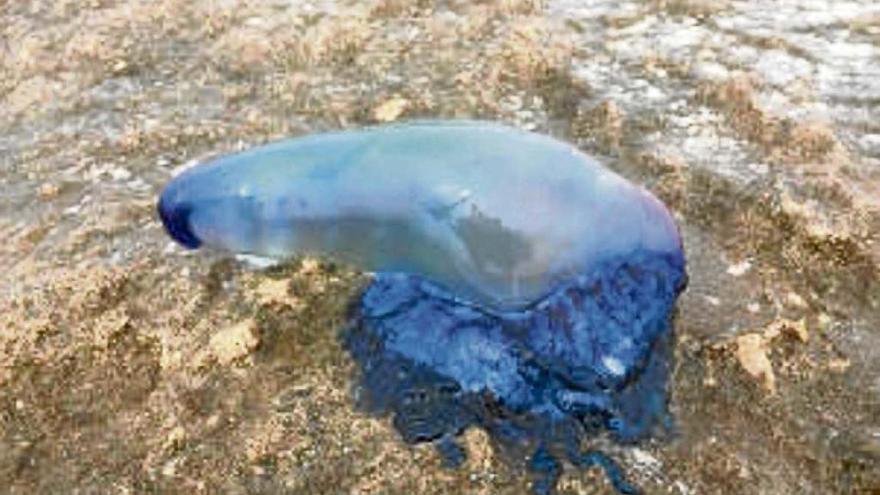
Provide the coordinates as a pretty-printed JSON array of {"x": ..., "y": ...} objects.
[{"x": 130, "y": 366}]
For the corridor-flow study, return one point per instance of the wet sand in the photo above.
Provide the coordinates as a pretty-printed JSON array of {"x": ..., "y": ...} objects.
[{"x": 128, "y": 365}]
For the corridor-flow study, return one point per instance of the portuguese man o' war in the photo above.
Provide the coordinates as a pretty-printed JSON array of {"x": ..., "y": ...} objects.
[{"x": 519, "y": 286}]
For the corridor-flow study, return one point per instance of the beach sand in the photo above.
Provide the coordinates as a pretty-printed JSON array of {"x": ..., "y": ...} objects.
[{"x": 128, "y": 365}]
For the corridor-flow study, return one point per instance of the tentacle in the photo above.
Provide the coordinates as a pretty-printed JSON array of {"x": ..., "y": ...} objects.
[{"x": 612, "y": 470}]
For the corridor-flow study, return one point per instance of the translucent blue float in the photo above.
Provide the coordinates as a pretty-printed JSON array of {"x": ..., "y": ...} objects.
[{"x": 519, "y": 286}]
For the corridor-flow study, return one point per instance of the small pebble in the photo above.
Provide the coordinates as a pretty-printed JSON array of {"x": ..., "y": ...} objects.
[
  {"x": 739, "y": 269},
  {"x": 48, "y": 191}
]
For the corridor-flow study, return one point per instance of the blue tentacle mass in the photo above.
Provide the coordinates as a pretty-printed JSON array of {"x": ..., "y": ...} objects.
[{"x": 519, "y": 286}]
